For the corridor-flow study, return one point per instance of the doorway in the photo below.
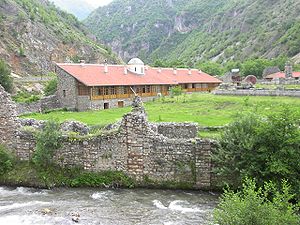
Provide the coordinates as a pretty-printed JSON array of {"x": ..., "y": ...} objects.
[
  {"x": 120, "y": 104},
  {"x": 106, "y": 105}
]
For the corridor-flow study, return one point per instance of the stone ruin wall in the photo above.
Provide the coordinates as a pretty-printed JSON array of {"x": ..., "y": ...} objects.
[
  {"x": 8, "y": 119},
  {"x": 46, "y": 103},
  {"x": 136, "y": 148},
  {"x": 255, "y": 92}
]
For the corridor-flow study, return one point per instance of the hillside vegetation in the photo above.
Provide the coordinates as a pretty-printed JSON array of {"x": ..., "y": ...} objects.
[
  {"x": 199, "y": 30},
  {"x": 34, "y": 33}
]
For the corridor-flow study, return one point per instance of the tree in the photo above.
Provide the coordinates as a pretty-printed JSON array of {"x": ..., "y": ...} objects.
[
  {"x": 47, "y": 141},
  {"x": 51, "y": 87},
  {"x": 211, "y": 68},
  {"x": 176, "y": 91},
  {"x": 257, "y": 206},
  {"x": 262, "y": 148},
  {"x": 255, "y": 67},
  {"x": 5, "y": 79}
]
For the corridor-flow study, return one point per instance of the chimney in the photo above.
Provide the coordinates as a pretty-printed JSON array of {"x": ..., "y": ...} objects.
[
  {"x": 200, "y": 71},
  {"x": 190, "y": 72},
  {"x": 159, "y": 70},
  {"x": 105, "y": 68},
  {"x": 146, "y": 67},
  {"x": 174, "y": 71},
  {"x": 125, "y": 70},
  {"x": 82, "y": 62},
  {"x": 288, "y": 70}
]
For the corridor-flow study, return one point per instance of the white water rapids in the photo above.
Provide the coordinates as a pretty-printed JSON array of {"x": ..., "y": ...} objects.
[{"x": 25, "y": 206}]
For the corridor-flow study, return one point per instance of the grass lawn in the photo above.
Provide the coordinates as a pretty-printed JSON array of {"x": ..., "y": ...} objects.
[{"x": 204, "y": 109}]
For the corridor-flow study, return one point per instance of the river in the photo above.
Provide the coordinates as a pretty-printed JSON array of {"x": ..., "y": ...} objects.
[{"x": 108, "y": 207}]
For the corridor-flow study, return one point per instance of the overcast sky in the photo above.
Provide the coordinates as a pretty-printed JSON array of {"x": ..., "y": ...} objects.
[{"x": 97, "y": 3}]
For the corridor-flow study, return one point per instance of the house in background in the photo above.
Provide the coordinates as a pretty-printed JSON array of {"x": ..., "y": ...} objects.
[
  {"x": 287, "y": 74},
  {"x": 93, "y": 86}
]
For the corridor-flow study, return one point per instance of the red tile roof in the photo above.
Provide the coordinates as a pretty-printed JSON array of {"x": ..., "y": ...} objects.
[
  {"x": 281, "y": 75},
  {"x": 94, "y": 75}
]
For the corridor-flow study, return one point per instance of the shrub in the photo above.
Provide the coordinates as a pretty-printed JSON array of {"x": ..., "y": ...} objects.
[
  {"x": 263, "y": 148},
  {"x": 6, "y": 161},
  {"x": 176, "y": 91},
  {"x": 5, "y": 79},
  {"x": 257, "y": 206},
  {"x": 51, "y": 87},
  {"x": 26, "y": 97},
  {"x": 48, "y": 140}
]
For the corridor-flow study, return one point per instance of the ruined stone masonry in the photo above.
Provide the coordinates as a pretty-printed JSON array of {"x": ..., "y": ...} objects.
[{"x": 157, "y": 152}]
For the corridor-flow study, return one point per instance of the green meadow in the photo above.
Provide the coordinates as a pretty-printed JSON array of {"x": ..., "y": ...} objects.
[{"x": 204, "y": 109}]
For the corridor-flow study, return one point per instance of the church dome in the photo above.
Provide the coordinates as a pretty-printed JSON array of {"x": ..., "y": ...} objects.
[{"x": 136, "y": 61}]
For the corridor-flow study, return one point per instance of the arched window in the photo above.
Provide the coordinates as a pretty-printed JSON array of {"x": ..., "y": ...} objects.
[{"x": 135, "y": 69}]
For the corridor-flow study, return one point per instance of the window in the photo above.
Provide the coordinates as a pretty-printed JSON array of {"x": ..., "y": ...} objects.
[
  {"x": 100, "y": 91},
  {"x": 64, "y": 93},
  {"x": 83, "y": 90},
  {"x": 106, "y": 91}
]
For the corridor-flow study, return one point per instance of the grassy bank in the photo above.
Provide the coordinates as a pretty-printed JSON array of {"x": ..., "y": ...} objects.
[
  {"x": 26, "y": 174},
  {"x": 205, "y": 109}
]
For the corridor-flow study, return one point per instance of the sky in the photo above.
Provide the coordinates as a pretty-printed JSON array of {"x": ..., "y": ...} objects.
[{"x": 97, "y": 3}]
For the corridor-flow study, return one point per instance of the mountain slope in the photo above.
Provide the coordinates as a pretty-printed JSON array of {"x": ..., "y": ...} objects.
[
  {"x": 199, "y": 30},
  {"x": 34, "y": 33},
  {"x": 80, "y": 8}
]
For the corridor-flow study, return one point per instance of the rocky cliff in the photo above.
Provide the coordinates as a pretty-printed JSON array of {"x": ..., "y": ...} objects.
[
  {"x": 199, "y": 30},
  {"x": 34, "y": 33}
]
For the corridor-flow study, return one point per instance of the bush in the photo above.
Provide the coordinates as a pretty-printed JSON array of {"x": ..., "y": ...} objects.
[
  {"x": 6, "y": 161},
  {"x": 176, "y": 91},
  {"x": 262, "y": 148},
  {"x": 26, "y": 97},
  {"x": 257, "y": 206},
  {"x": 51, "y": 87},
  {"x": 48, "y": 140},
  {"x": 5, "y": 79}
]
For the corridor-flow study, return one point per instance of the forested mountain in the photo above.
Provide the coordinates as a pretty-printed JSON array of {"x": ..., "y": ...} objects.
[
  {"x": 80, "y": 8},
  {"x": 34, "y": 33},
  {"x": 199, "y": 30}
]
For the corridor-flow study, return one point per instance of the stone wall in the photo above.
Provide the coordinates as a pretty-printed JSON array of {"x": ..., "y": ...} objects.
[
  {"x": 255, "y": 92},
  {"x": 44, "y": 104},
  {"x": 66, "y": 89},
  {"x": 176, "y": 130},
  {"x": 138, "y": 148},
  {"x": 8, "y": 119}
]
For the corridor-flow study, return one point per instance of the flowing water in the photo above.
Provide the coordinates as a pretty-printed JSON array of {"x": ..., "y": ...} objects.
[{"x": 108, "y": 207}]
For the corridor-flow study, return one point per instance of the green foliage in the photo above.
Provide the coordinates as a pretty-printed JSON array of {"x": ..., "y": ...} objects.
[
  {"x": 26, "y": 97},
  {"x": 266, "y": 148},
  {"x": 51, "y": 87},
  {"x": 181, "y": 30},
  {"x": 6, "y": 80},
  {"x": 47, "y": 141},
  {"x": 176, "y": 91},
  {"x": 212, "y": 68},
  {"x": 26, "y": 173},
  {"x": 108, "y": 178},
  {"x": 6, "y": 160},
  {"x": 21, "y": 51},
  {"x": 257, "y": 206}
]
